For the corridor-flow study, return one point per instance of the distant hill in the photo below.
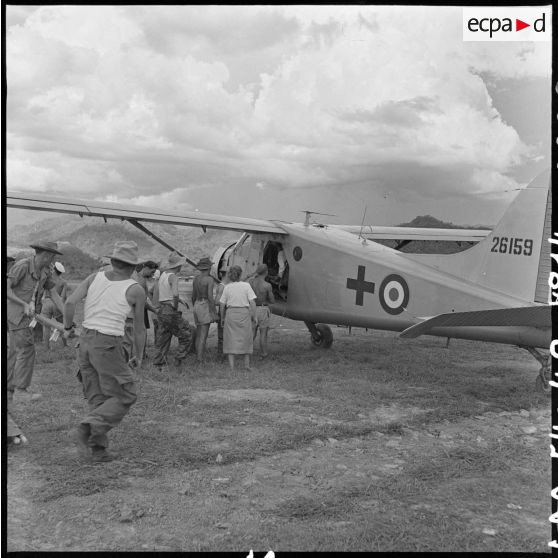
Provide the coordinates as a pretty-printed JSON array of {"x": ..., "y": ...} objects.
[
  {"x": 433, "y": 246},
  {"x": 429, "y": 222},
  {"x": 96, "y": 238},
  {"x": 77, "y": 264}
]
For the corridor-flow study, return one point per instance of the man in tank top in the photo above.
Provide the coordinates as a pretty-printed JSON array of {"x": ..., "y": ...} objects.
[
  {"x": 204, "y": 305},
  {"x": 105, "y": 374},
  {"x": 169, "y": 316}
]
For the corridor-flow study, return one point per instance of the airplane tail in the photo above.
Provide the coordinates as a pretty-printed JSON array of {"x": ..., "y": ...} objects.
[{"x": 515, "y": 257}]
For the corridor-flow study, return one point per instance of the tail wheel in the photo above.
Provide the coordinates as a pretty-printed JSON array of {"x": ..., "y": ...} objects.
[{"x": 323, "y": 336}]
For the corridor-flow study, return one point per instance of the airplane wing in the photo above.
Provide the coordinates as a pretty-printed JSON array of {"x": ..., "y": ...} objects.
[
  {"x": 135, "y": 214},
  {"x": 414, "y": 233},
  {"x": 534, "y": 316}
]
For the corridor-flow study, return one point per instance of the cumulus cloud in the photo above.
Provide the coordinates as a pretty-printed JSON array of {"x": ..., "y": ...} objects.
[
  {"x": 175, "y": 200},
  {"x": 161, "y": 101}
]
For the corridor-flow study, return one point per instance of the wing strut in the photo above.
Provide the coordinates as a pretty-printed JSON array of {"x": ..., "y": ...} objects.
[{"x": 159, "y": 239}]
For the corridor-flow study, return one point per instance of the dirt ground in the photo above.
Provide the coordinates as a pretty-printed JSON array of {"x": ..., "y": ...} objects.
[{"x": 349, "y": 450}]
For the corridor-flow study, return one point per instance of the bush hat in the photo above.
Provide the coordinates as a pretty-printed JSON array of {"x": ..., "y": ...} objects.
[
  {"x": 125, "y": 251},
  {"x": 204, "y": 263},
  {"x": 174, "y": 260},
  {"x": 48, "y": 246}
]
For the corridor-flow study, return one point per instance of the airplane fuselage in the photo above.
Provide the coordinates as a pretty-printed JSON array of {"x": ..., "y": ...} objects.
[{"x": 336, "y": 278}]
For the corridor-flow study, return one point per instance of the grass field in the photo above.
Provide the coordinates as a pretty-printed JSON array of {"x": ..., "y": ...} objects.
[{"x": 377, "y": 444}]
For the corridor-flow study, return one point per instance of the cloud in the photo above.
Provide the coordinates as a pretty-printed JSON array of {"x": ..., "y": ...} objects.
[
  {"x": 175, "y": 200},
  {"x": 160, "y": 101}
]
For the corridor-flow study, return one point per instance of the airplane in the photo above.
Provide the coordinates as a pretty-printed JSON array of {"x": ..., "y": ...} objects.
[{"x": 496, "y": 291}]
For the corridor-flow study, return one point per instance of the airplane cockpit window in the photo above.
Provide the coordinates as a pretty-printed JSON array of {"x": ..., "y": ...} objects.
[{"x": 278, "y": 269}]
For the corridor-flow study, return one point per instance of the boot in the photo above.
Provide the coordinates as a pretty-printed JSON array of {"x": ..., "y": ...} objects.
[
  {"x": 99, "y": 454},
  {"x": 80, "y": 437}
]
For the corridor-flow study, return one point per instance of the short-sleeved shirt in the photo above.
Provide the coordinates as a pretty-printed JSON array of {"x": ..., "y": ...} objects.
[
  {"x": 237, "y": 294},
  {"x": 27, "y": 284}
]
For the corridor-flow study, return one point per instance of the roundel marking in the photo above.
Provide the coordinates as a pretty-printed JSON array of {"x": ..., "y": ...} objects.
[
  {"x": 394, "y": 294},
  {"x": 297, "y": 253}
]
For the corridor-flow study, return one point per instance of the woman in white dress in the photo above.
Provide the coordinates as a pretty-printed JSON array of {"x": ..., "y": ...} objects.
[{"x": 238, "y": 314}]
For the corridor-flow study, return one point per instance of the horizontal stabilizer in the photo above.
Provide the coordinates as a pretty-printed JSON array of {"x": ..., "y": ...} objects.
[{"x": 534, "y": 316}]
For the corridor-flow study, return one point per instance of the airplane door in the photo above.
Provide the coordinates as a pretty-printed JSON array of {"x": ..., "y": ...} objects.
[{"x": 247, "y": 253}]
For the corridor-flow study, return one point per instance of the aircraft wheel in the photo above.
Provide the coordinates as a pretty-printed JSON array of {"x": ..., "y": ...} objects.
[{"x": 324, "y": 337}]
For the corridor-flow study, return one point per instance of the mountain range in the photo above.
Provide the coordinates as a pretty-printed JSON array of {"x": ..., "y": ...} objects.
[{"x": 96, "y": 238}]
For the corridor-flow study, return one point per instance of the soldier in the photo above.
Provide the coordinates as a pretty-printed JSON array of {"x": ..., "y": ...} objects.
[
  {"x": 169, "y": 316},
  {"x": 106, "y": 377},
  {"x": 14, "y": 433},
  {"x": 204, "y": 305},
  {"x": 28, "y": 279}
]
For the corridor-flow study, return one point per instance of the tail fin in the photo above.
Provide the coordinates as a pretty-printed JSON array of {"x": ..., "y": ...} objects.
[{"x": 515, "y": 257}]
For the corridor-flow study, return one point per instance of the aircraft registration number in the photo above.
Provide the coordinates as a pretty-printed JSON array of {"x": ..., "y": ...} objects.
[{"x": 514, "y": 246}]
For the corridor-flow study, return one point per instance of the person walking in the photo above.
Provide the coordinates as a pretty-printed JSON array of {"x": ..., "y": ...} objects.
[
  {"x": 204, "y": 305},
  {"x": 169, "y": 316},
  {"x": 238, "y": 312},
  {"x": 264, "y": 297},
  {"x": 105, "y": 374},
  {"x": 27, "y": 280},
  {"x": 50, "y": 310}
]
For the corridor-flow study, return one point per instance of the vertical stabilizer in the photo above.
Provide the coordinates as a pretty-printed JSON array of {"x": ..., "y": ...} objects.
[{"x": 514, "y": 258}]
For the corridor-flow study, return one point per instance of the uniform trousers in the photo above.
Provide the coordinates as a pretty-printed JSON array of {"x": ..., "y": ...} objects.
[
  {"x": 171, "y": 323},
  {"x": 21, "y": 354},
  {"x": 107, "y": 381}
]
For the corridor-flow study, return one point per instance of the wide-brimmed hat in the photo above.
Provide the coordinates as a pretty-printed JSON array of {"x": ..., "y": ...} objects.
[
  {"x": 204, "y": 263},
  {"x": 125, "y": 251},
  {"x": 59, "y": 267},
  {"x": 47, "y": 245},
  {"x": 262, "y": 269},
  {"x": 174, "y": 260}
]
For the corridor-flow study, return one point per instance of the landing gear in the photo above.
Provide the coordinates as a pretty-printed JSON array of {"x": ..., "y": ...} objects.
[
  {"x": 322, "y": 335},
  {"x": 541, "y": 381}
]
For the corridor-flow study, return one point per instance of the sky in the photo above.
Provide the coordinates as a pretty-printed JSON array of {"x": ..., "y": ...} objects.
[{"x": 266, "y": 111}]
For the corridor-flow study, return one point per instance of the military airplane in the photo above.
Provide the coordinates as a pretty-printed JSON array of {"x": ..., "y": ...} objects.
[{"x": 495, "y": 291}]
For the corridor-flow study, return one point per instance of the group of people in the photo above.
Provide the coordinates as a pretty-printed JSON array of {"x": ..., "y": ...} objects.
[{"x": 114, "y": 328}]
